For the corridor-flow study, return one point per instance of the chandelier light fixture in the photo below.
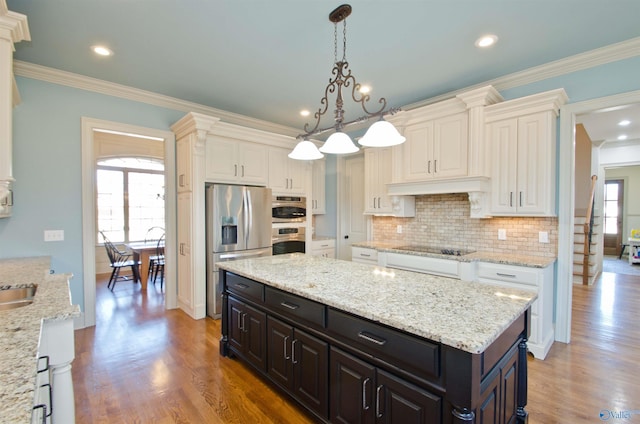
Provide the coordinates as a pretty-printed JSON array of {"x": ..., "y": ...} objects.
[{"x": 381, "y": 134}]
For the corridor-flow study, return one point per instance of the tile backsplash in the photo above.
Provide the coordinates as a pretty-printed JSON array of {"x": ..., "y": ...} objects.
[{"x": 443, "y": 220}]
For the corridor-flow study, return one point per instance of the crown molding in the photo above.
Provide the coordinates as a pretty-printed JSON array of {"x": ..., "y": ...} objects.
[
  {"x": 69, "y": 79},
  {"x": 612, "y": 53},
  {"x": 601, "y": 56}
]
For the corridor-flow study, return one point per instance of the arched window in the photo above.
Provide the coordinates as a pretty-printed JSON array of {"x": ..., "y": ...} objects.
[{"x": 130, "y": 197}]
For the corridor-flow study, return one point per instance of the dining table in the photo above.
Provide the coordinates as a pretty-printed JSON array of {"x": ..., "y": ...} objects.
[{"x": 142, "y": 251}]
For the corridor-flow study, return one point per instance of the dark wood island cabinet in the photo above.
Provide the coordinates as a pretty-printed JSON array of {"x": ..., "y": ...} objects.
[{"x": 346, "y": 366}]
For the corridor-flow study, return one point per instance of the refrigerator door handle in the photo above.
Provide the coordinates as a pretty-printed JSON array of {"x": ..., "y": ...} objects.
[{"x": 248, "y": 217}]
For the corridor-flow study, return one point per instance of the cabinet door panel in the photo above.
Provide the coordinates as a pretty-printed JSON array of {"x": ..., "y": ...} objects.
[
  {"x": 235, "y": 324},
  {"x": 400, "y": 402},
  {"x": 504, "y": 156},
  {"x": 352, "y": 389},
  {"x": 253, "y": 163},
  {"x": 280, "y": 338},
  {"x": 534, "y": 162},
  {"x": 509, "y": 390},
  {"x": 310, "y": 357},
  {"x": 450, "y": 148},
  {"x": 221, "y": 159},
  {"x": 255, "y": 333},
  {"x": 417, "y": 152}
]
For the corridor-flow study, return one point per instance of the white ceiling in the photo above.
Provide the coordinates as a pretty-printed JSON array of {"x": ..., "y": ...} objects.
[{"x": 269, "y": 59}]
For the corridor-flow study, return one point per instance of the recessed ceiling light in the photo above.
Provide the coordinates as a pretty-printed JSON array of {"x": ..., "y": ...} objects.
[
  {"x": 364, "y": 89},
  {"x": 304, "y": 112},
  {"x": 624, "y": 122},
  {"x": 622, "y": 137},
  {"x": 486, "y": 40},
  {"x": 101, "y": 50}
]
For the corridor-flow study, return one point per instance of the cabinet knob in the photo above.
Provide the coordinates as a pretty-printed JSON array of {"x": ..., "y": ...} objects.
[{"x": 346, "y": 237}]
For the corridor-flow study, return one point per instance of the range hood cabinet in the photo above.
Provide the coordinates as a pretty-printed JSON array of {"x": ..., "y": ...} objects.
[{"x": 478, "y": 189}]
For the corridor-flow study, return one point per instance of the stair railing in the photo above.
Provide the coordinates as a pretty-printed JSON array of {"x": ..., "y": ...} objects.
[{"x": 588, "y": 231}]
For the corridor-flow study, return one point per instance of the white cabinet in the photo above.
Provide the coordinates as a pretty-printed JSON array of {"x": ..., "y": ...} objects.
[
  {"x": 377, "y": 174},
  {"x": 286, "y": 175},
  {"x": 524, "y": 150},
  {"x": 324, "y": 247},
  {"x": 436, "y": 149},
  {"x": 427, "y": 265},
  {"x": 230, "y": 160},
  {"x": 539, "y": 280},
  {"x": 364, "y": 255},
  {"x": 186, "y": 298},
  {"x": 318, "y": 198},
  {"x": 183, "y": 164},
  {"x": 13, "y": 29},
  {"x": 55, "y": 385},
  {"x": 522, "y": 136}
]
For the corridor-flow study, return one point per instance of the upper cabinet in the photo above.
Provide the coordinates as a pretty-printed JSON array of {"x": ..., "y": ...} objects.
[
  {"x": 522, "y": 138},
  {"x": 234, "y": 161},
  {"x": 318, "y": 200},
  {"x": 13, "y": 29},
  {"x": 377, "y": 174},
  {"x": 286, "y": 175},
  {"x": 436, "y": 148}
]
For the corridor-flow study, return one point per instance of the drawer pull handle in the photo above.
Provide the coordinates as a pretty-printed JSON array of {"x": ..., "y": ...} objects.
[
  {"x": 501, "y": 274},
  {"x": 241, "y": 286},
  {"x": 288, "y": 305},
  {"x": 44, "y": 412},
  {"x": 366, "y": 255},
  {"x": 371, "y": 338}
]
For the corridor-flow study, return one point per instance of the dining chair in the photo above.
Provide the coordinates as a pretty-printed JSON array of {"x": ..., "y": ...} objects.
[
  {"x": 119, "y": 259},
  {"x": 158, "y": 260},
  {"x": 154, "y": 234}
]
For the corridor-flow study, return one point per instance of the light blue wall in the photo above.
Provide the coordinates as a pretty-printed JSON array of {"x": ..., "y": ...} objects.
[
  {"x": 47, "y": 156},
  {"x": 47, "y": 168}
]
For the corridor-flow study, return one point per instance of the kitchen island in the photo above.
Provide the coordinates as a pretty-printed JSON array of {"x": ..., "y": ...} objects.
[
  {"x": 42, "y": 328},
  {"x": 359, "y": 343}
]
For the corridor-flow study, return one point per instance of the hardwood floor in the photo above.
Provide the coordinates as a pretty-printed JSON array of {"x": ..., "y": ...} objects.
[{"x": 142, "y": 364}]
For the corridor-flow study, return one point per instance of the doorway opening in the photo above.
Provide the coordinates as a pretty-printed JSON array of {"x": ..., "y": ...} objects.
[{"x": 119, "y": 143}]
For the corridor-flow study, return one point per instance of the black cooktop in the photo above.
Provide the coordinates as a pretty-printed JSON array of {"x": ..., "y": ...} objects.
[{"x": 436, "y": 250}]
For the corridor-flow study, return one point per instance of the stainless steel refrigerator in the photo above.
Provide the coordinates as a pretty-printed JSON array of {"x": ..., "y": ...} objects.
[{"x": 238, "y": 227}]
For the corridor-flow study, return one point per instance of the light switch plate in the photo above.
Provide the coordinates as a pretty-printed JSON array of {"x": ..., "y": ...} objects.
[
  {"x": 399, "y": 229},
  {"x": 502, "y": 234},
  {"x": 54, "y": 235}
]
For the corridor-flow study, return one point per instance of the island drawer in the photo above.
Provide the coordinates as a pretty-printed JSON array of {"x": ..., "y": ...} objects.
[
  {"x": 294, "y": 306},
  {"x": 244, "y": 287},
  {"x": 410, "y": 353}
]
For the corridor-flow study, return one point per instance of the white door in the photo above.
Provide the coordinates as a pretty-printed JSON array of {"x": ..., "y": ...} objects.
[{"x": 352, "y": 223}]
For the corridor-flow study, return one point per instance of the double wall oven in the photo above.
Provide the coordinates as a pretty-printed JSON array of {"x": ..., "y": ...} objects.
[{"x": 289, "y": 215}]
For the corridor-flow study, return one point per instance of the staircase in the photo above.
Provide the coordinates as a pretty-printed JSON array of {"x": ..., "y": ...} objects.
[
  {"x": 578, "y": 250},
  {"x": 585, "y": 237}
]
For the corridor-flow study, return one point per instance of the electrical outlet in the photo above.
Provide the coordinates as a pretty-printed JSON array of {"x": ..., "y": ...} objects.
[
  {"x": 543, "y": 237},
  {"x": 399, "y": 229},
  {"x": 53, "y": 235},
  {"x": 502, "y": 234}
]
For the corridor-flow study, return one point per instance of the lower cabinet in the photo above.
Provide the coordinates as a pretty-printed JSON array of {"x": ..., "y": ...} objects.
[
  {"x": 247, "y": 331},
  {"x": 344, "y": 368},
  {"x": 299, "y": 363},
  {"x": 499, "y": 404},
  {"x": 362, "y": 393}
]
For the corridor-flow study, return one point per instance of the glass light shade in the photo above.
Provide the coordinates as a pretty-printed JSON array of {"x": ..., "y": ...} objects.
[
  {"x": 339, "y": 143},
  {"x": 382, "y": 134},
  {"x": 305, "y": 150}
]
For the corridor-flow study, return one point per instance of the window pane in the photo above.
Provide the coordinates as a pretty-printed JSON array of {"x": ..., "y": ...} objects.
[
  {"x": 611, "y": 226},
  {"x": 133, "y": 163},
  {"x": 611, "y": 191},
  {"x": 146, "y": 203},
  {"x": 611, "y": 209},
  {"x": 110, "y": 205}
]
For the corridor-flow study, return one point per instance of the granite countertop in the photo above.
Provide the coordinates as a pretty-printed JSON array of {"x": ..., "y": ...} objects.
[
  {"x": 20, "y": 331},
  {"x": 478, "y": 256},
  {"x": 465, "y": 315}
]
